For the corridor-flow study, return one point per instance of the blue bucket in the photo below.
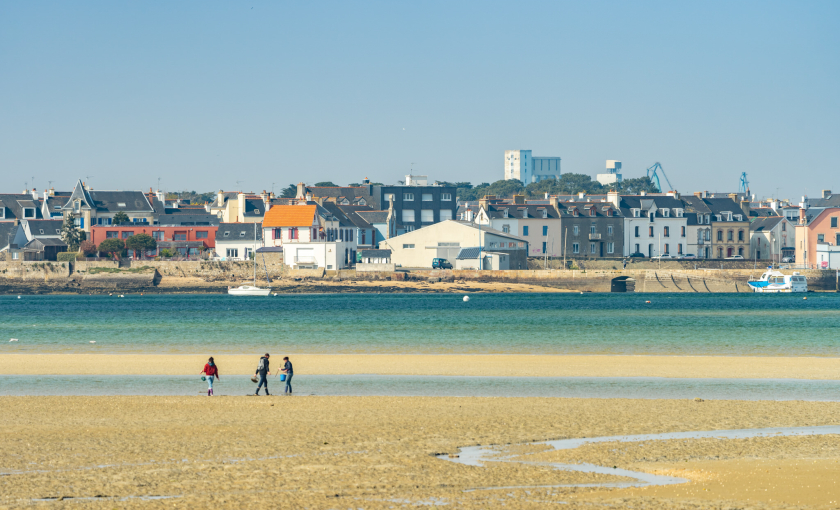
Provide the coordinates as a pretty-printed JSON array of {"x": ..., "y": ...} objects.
[{"x": 282, "y": 377}]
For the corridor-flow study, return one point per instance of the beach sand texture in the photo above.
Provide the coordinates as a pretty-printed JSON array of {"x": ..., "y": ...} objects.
[
  {"x": 377, "y": 452},
  {"x": 513, "y": 365}
]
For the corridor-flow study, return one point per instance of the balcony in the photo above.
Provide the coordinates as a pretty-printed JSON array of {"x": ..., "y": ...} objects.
[{"x": 594, "y": 237}]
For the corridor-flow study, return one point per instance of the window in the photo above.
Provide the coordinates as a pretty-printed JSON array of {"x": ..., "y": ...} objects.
[
  {"x": 679, "y": 249},
  {"x": 592, "y": 247},
  {"x": 2, "y": 212},
  {"x": 202, "y": 234},
  {"x": 682, "y": 232},
  {"x": 740, "y": 235},
  {"x": 408, "y": 247},
  {"x": 226, "y": 234},
  {"x": 445, "y": 214},
  {"x": 609, "y": 230},
  {"x": 834, "y": 222},
  {"x": 524, "y": 230},
  {"x": 112, "y": 235},
  {"x": 408, "y": 216},
  {"x": 241, "y": 234},
  {"x": 15, "y": 256},
  {"x": 544, "y": 247},
  {"x": 667, "y": 232},
  {"x": 427, "y": 216},
  {"x": 720, "y": 253},
  {"x": 232, "y": 252},
  {"x": 708, "y": 235},
  {"x": 720, "y": 235},
  {"x": 575, "y": 248},
  {"x": 650, "y": 217},
  {"x": 181, "y": 236},
  {"x": 665, "y": 213},
  {"x": 446, "y": 197},
  {"x": 784, "y": 226},
  {"x": 636, "y": 213},
  {"x": 28, "y": 212},
  {"x": 58, "y": 232},
  {"x": 637, "y": 248},
  {"x": 408, "y": 197},
  {"x": 427, "y": 197},
  {"x": 389, "y": 197},
  {"x": 820, "y": 238},
  {"x": 667, "y": 250},
  {"x": 592, "y": 211},
  {"x": 730, "y": 235},
  {"x": 592, "y": 229},
  {"x": 158, "y": 235},
  {"x": 610, "y": 247},
  {"x": 637, "y": 232},
  {"x": 576, "y": 230},
  {"x": 41, "y": 231},
  {"x": 741, "y": 251},
  {"x": 650, "y": 231},
  {"x": 545, "y": 230},
  {"x": 120, "y": 204},
  {"x": 127, "y": 234},
  {"x": 293, "y": 233}
]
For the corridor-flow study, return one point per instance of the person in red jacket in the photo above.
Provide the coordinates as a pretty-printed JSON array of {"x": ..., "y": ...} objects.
[{"x": 211, "y": 370}]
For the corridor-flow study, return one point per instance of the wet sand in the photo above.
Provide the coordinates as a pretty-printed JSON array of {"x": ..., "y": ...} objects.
[
  {"x": 407, "y": 364},
  {"x": 377, "y": 452}
]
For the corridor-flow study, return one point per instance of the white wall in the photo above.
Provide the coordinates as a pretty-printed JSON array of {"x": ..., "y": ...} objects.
[{"x": 673, "y": 240}]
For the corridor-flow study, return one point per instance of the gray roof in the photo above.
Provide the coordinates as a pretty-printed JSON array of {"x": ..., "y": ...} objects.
[
  {"x": 468, "y": 253},
  {"x": 352, "y": 194},
  {"x": 238, "y": 232},
  {"x": 226, "y": 195},
  {"x": 521, "y": 211},
  {"x": 8, "y": 230},
  {"x": 51, "y": 228},
  {"x": 373, "y": 217},
  {"x": 188, "y": 219},
  {"x": 484, "y": 229},
  {"x": 646, "y": 202},
  {"x": 110, "y": 201},
  {"x": 47, "y": 241},
  {"x": 346, "y": 217},
  {"x": 270, "y": 249},
  {"x": 829, "y": 201},
  {"x": 765, "y": 224},
  {"x": 14, "y": 204},
  {"x": 254, "y": 207}
]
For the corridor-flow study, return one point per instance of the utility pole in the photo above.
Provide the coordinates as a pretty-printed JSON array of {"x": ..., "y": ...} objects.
[
  {"x": 565, "y": 246},
  {"x": 660, "y": 250}
]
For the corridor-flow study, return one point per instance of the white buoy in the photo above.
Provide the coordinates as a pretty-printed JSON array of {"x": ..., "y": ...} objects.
[
  {"x": 13, "y": 340},
  {"x": 121, "y": 295},
  {"x": 18, "y": 297},
  {"x": 93, "y": 341},
  {"x": 466, "y": 299}
]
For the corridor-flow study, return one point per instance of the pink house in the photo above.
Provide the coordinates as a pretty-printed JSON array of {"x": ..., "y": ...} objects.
[{"x": 822, "y": 228}]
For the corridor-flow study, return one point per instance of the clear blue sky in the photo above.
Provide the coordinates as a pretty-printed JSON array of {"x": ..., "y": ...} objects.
[{"x": 205, "y": 94}]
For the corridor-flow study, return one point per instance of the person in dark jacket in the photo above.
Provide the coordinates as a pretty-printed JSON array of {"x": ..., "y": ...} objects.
[
  {"x": 262, "y": 371},
  {"x": 289, "y": 371},
  {"x": 211, "y": 370}
]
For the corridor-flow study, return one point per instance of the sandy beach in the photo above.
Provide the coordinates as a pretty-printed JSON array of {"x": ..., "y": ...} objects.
[
  {"x": 376, "y": 452},
  {"x": 514, "y": 365}
]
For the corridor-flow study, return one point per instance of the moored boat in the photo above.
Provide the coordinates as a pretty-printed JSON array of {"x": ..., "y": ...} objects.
[{"x": 775, "y": 281}]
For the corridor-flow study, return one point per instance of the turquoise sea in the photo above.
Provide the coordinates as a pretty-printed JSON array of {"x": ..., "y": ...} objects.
[{"x": 675, "y": 324}]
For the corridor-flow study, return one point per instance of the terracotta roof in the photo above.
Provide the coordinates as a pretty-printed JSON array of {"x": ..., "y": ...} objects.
[{"x": 290, "y": 216}]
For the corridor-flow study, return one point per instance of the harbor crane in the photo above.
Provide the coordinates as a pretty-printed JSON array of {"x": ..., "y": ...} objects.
[
  {"x": 745, "y": 184},
  {"x": 653, "y": 173}
]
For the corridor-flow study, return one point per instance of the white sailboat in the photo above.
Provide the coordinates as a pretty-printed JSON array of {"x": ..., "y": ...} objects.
[
  {"x": 251, "y": 290},
  {"x": 775, "y": 281}
]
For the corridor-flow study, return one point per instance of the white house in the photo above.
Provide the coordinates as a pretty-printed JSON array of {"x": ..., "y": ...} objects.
[
  {"x": 236, "y": 241},
  {"x": 654, "y": 225},
  {"x": 311, "y": 236},
  {"x": 772, "y": 238}
]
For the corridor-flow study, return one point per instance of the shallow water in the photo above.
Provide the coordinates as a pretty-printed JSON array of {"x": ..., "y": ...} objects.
[
  {"x": 439, "y": 386},
  {"x": 673, "y": 324}
]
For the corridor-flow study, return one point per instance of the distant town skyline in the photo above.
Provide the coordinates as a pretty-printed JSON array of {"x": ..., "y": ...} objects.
[{"x": 239, "y": 96}]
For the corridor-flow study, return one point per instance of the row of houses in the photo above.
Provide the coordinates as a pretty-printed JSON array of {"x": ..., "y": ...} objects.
[{"x": 333, "y": 227}]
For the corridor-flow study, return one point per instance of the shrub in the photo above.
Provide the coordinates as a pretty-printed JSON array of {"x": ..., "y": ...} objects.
[
  {"x": 67, "y": 256},
  {"x": 112, "y": 246},
  {"x": 166, "y": 253},
  {"x": 88, "y": 248}
]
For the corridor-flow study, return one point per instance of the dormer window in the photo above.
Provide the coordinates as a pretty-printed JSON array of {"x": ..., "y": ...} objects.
[
  {"x": 120, "y": 204},
  {"x": 77, "y": 206},
  {"x": 41, "y": 231},
  {"x": 718, "y": 217},
  {"x": 242, "y": 234},
  {"x": 362, "y": 202},
  {"x": 678, "y": 213},
  {"x": 544, "y": 213},
  {"x": 637, "y": 213},
  {"x": 504, "y": 213},
  {"x": 2, "y": 212},
  {"x": 227, "y": 233},
  {"x": 666, "y": 213},
  {"x": 592, "y": 211},
  {"x": 738, "y": 217},
  {"x": 28, "y": 212},
  {"x": 58, "y": 232}
]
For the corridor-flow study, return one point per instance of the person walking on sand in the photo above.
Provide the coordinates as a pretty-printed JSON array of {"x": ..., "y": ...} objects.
[
  {"x": 289, "y": 371},
  {"x": 211, "y": 370},
  {"x": 262, "y": 371}
]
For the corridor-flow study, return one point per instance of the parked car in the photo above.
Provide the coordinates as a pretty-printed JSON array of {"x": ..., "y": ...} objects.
[
  {"x": 663, "y": 256},
  {"x": 789, "y": 259},
  {"x": 441, "y": 264},
  {"x": 637, "y": 254},
  {"x": 689, "y": 256},
  {"x": 735, "y": 257}
]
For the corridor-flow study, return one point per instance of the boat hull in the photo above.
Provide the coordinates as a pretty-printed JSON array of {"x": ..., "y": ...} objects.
[{"x": 247, "y": 290}]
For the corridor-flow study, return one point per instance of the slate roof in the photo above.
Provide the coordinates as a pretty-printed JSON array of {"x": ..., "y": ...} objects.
[
  {"x": 14, "y": 204},
  {"x": 290, "y": 215},
  {"x": 646, "y": 202},
  {"x": 521, "y": 211},
  {"x": 187, "y": 219},
  {"x": 346, "y": 216},
  {"x": 765, "y": 224},
  {"x": 583, "y": 208},
  {"x": 473, "y": 253},
  {"x": 254, "y": 207},
  {"x": 373, "y": 217},
  {"x": 830, "y": 201},
  {"x": 51, "y": 228},
  {"x": 759, "y": 212},
  {"x": 238, "y": 232},
  {"x": 226, "y": 195},
  {"x": 8, "y": 230},
  {"x": 109, "y": 201},
  {"x": 376, "y": 254},
  {"x": 352, "y": 194},
  {"x": 47, "y": 241},
  {"x": 484, "y": 229}
]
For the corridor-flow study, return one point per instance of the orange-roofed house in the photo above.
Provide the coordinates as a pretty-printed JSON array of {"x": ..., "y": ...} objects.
[{"x": 311, "y": 236}]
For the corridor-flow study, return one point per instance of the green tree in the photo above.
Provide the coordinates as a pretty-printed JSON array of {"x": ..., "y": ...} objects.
[
  {"x": 290, "y": 192},
  {"x": 112, "y": 246},
  {"x": 166, "y": 253},
  {"x": 637, "y": 185},
  {"x": 120, "y": 218},
  {"x": 70, "y": 234},
  {"x": 141, "y": 243},
  {"x": 326, "y": 184}
]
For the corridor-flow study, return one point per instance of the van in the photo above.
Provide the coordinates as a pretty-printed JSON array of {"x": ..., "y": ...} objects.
[{"x": 441, "y": 264}]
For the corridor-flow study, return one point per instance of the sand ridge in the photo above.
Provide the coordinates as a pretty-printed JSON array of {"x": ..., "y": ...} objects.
[{"x": 502, "y": 365}]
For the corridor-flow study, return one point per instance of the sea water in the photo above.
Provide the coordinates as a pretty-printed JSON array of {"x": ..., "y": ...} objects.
[{"x": 551, "y": 323}]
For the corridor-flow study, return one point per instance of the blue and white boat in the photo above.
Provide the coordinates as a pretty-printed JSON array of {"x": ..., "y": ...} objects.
[{"x": 775, "y": 281}]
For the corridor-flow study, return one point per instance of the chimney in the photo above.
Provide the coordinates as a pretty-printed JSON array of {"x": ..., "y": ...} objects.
[
  {"x": 301, "y": 191},
  {"x": 745, "y": 206},
  {"x": 546, "y": 195},
  {"x": 240, "y": 199},
  {"x": 644, "y": 193},
  {"x": 308, "y": 196},
  {"x": 519, "y": 199},
  {"x": 733, "y": 196},
  {"x": 705, "y": 194},
  {"x": 826, "y": 193},
  {"x": 698, "y": 194},
  {"x": 554, "y": 202},
  {"x": 34, "y": 194},
  {"x": 612, "y": 197},
  {"x": 802, "y": 219},
  {"x": 220, "y": 198},
  {"x": 52, "y": 192},
  {"x": 581, "y": 195}
]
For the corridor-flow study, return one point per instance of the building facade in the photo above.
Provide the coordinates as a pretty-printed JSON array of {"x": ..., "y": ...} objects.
[
  {"x": 820, "y": 228},
  {"x": 415, "y": 207},
  {"x": 522, "y": 166}
]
